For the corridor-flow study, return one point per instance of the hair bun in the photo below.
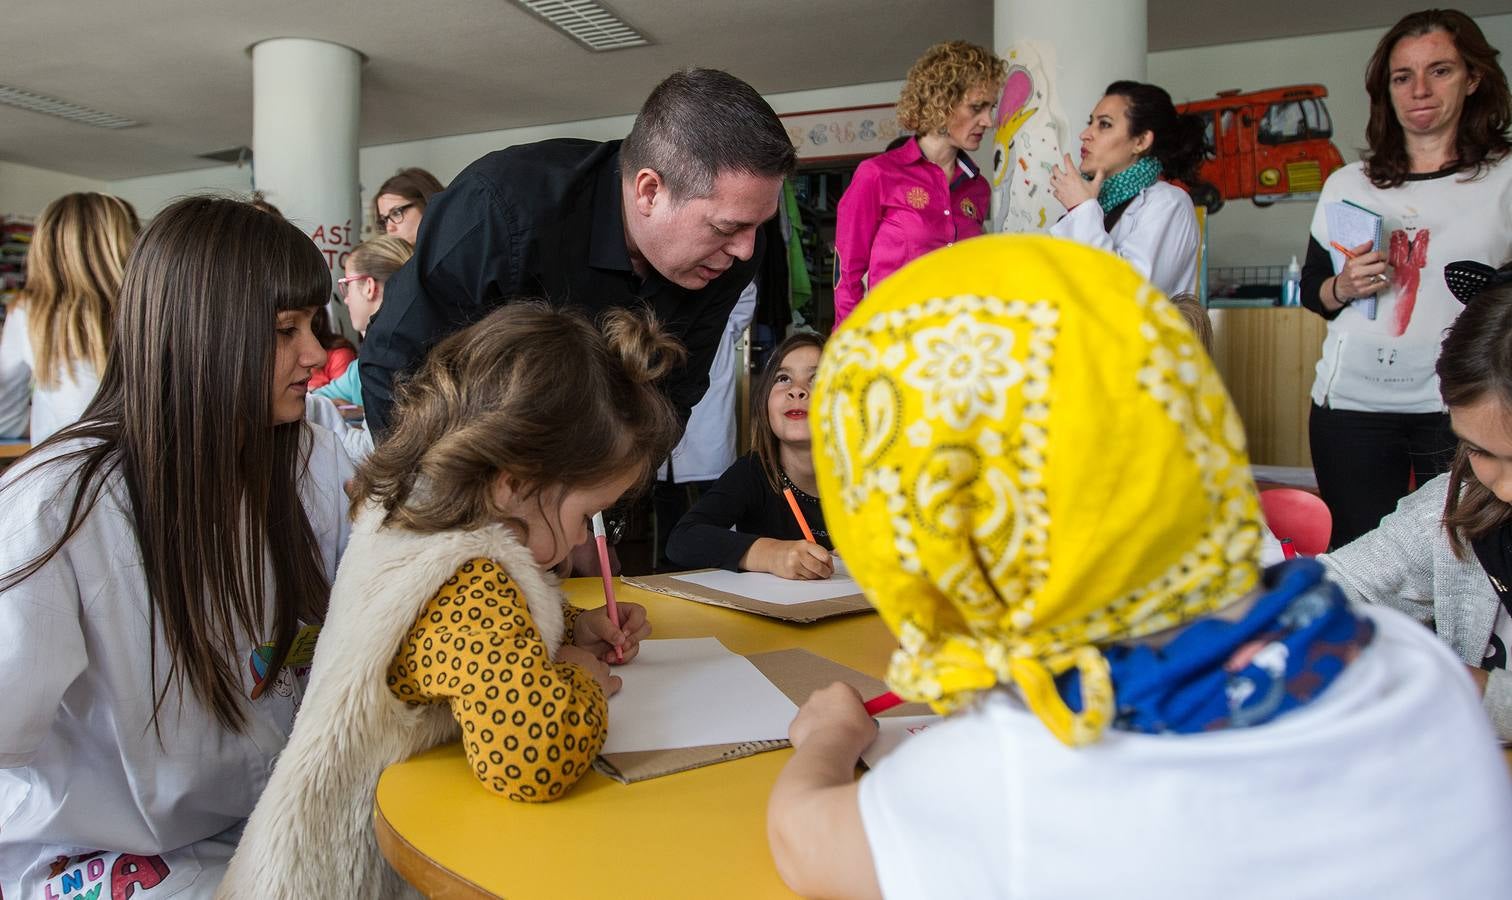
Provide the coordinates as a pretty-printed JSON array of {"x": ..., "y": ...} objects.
[{"x": 644, "y": 348}]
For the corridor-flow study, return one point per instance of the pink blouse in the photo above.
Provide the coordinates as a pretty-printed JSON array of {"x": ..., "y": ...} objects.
[{"x": 898, "y": 208}]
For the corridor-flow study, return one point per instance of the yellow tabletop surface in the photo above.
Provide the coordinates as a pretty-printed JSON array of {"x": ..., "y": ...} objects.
[{"x": 700, "y": 833}]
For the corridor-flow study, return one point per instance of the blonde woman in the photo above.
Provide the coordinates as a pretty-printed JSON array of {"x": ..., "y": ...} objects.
[
  {"x": 52, "y": 350},
  {"x": 925, "y": 193},
  {"x": 368, "y": 268}
]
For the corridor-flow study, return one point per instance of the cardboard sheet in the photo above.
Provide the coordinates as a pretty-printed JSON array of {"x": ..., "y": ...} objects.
[
  {"x": 788, "y": 609},
  {"x": 691, "y": 693},
  {"x": 797, "y": 673}
]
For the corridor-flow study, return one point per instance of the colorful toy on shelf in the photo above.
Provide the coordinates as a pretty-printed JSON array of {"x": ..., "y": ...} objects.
[{"x": 1266, "y": 145}]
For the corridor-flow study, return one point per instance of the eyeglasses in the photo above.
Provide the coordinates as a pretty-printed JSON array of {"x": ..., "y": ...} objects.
[
  {"x": 395, "y": 215},
  {"x": 341, "y": 283}
]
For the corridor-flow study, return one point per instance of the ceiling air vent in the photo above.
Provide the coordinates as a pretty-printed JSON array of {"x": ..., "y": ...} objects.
[
  {"x": 51, "y": 106},
  {"x": 586, "y": 22}
]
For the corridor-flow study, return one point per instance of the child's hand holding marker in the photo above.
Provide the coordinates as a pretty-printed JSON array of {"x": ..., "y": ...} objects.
[{"x": 596, "y": 633}]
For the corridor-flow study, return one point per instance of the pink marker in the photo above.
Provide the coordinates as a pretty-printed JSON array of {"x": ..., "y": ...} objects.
[
  {"x": 882, "y": 703},
  {"x": 603, "y": 548}
]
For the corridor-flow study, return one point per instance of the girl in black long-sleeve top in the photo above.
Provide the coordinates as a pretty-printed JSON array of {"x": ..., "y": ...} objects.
[{"x": 748, "y": 496}]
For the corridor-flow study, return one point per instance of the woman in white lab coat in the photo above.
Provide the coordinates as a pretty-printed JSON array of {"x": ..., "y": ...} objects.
[{"x": 1118, "y": 198}]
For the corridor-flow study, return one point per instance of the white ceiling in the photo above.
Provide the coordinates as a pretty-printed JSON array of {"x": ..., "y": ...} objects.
[{"x": 448, "y": 67}]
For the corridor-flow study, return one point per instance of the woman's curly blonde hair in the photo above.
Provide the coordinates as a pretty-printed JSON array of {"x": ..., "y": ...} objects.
[{"x": 940, "y": 79}]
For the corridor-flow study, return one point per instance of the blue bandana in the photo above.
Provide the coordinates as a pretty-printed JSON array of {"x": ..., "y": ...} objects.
[{"x": 1297, "y": 638}]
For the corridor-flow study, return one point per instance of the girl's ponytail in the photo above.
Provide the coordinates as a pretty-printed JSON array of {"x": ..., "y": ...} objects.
[{"x": 643, "y": 347}]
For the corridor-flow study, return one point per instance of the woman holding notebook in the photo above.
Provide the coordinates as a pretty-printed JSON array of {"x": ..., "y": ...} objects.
[{"x": 1437, "y": 178}]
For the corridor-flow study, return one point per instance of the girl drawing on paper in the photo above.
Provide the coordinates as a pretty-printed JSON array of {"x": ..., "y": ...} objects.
[
  {"x": 744, "y": 523},
  {"x": 511, "y": 436}
]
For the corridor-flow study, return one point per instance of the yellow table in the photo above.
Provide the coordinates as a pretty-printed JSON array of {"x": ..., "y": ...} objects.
[{"x": 700, "y": 833}]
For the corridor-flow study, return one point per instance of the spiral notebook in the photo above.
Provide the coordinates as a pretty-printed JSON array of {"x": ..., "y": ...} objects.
[{"x": 1350, "y": 225}]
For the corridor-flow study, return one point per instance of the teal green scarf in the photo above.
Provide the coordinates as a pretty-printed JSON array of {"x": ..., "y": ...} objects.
[{"x": 1123, "y": 187}]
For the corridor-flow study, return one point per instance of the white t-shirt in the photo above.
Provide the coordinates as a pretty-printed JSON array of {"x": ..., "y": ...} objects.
[
  {"x": 707, "y": 447},
  {"x": 1386, "y": 364},
  {"x": 1389, "y": 785},
  {"x": 51, "y": 408},
  {"x": 1157, "y": 234},
  {"x": 81, "y": 768}
]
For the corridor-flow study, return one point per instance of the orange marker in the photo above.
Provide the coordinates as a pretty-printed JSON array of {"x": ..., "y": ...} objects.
[
  {"x": 798, "y": 514},
  {"x": 1342, "y": 249}
]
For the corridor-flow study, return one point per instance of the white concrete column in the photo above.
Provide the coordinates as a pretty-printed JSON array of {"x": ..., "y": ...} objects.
[
  {"x": 305, "y": 114},
  {"x": 1061, "y": 55}
]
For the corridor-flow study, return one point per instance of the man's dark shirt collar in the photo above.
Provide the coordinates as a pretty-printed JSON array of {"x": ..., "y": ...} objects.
[{"x": 606, "y": 244}]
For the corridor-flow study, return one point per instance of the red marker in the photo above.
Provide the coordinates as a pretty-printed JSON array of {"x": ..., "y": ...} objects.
[
  {"x": 798, "y": 514},
  {"x": 603, "y": 548},
  {"x": 882, "y": 703}
]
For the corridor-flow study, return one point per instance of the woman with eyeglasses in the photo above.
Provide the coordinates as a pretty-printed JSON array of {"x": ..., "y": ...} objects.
[
  {"x": 400, "y": 202},
  {"x": 368, "y": 268}
]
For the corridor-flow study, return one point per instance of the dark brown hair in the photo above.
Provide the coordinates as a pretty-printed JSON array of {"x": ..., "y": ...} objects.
[
  {"x": 184, "y": 417},
  {"x": 415, "y": 185},
  {"x": 763, "y": 438},
  {"x": 1476, "y": 361},
  {"x": 1178, "y": 138},
  {"x": 1482, "y": 135},
  {"x": 536, "y": 394},
  {"x": 701, "y": 123}
]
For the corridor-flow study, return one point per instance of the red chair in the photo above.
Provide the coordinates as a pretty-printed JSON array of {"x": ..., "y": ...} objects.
[{"x": 1296, "y": 514}]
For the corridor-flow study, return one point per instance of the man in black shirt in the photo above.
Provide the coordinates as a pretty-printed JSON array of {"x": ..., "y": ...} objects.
[{"x": 668, "y": 219}]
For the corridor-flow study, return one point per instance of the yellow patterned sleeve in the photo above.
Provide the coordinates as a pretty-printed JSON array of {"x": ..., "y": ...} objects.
[
  {"x": 570, "y": 615},
  {"x": 531, "y": 727}
]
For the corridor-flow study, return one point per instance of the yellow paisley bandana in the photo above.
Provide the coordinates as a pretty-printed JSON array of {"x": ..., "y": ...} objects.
[{"x": 1023, "y": 452}]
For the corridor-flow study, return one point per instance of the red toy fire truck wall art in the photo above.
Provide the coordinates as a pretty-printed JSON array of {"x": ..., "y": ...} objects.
[{"x": 1265, "y": 145}]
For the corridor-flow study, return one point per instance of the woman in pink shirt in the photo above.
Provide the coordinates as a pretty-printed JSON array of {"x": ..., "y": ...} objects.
[{"x": 925, "y": 193}]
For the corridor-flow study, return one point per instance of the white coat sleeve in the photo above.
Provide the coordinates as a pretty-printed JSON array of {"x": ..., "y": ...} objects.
[
  {"x": 43, "y": 652},
  {"x": 1156, "y": 235}
]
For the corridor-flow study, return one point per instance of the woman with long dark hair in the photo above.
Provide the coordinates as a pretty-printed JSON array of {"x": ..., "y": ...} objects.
[
  {"x": 165, "y": 561},
  {"x": 1118, "y": 198},
  {"x": 1436, "y": 174}
]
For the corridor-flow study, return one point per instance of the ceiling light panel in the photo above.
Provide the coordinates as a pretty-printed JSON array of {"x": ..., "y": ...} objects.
[
  {"x": 51, "y": 106},
  {"x": 586, "y": 22}
]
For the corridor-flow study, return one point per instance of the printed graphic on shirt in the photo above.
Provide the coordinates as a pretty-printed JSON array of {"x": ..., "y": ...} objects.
[
  {"x": 117, "y": 876},
  {"x": 1408, "y": 255},
  {"x": 969, "y": 208},
  {"x": 918, "y": 198},
  {"x": 295, "y": 668},
  {"x": 1495, "y": 656}
]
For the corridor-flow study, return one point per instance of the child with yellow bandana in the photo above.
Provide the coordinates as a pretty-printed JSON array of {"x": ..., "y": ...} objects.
[{"x": 1036, "y": 476}]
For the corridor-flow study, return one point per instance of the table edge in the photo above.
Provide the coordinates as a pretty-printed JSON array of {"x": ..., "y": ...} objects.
[{"x": 421, "y": 872}]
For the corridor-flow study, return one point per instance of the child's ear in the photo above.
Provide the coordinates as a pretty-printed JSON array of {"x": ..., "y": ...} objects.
[{"x": 505, "y": 491}]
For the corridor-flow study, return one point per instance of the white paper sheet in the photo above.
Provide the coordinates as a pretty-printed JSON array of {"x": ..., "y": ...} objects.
[
  {"x": 772, "y": 589},
  {"x": 692, "y": 692},
  {"x": 893, "y": 731}
]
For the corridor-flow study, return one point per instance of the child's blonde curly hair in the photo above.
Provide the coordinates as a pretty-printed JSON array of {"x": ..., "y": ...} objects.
[{"x": 940, "y": 79}]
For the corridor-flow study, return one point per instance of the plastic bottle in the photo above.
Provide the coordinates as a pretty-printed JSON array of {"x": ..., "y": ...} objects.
[{"x": 1291, "y": 288}]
